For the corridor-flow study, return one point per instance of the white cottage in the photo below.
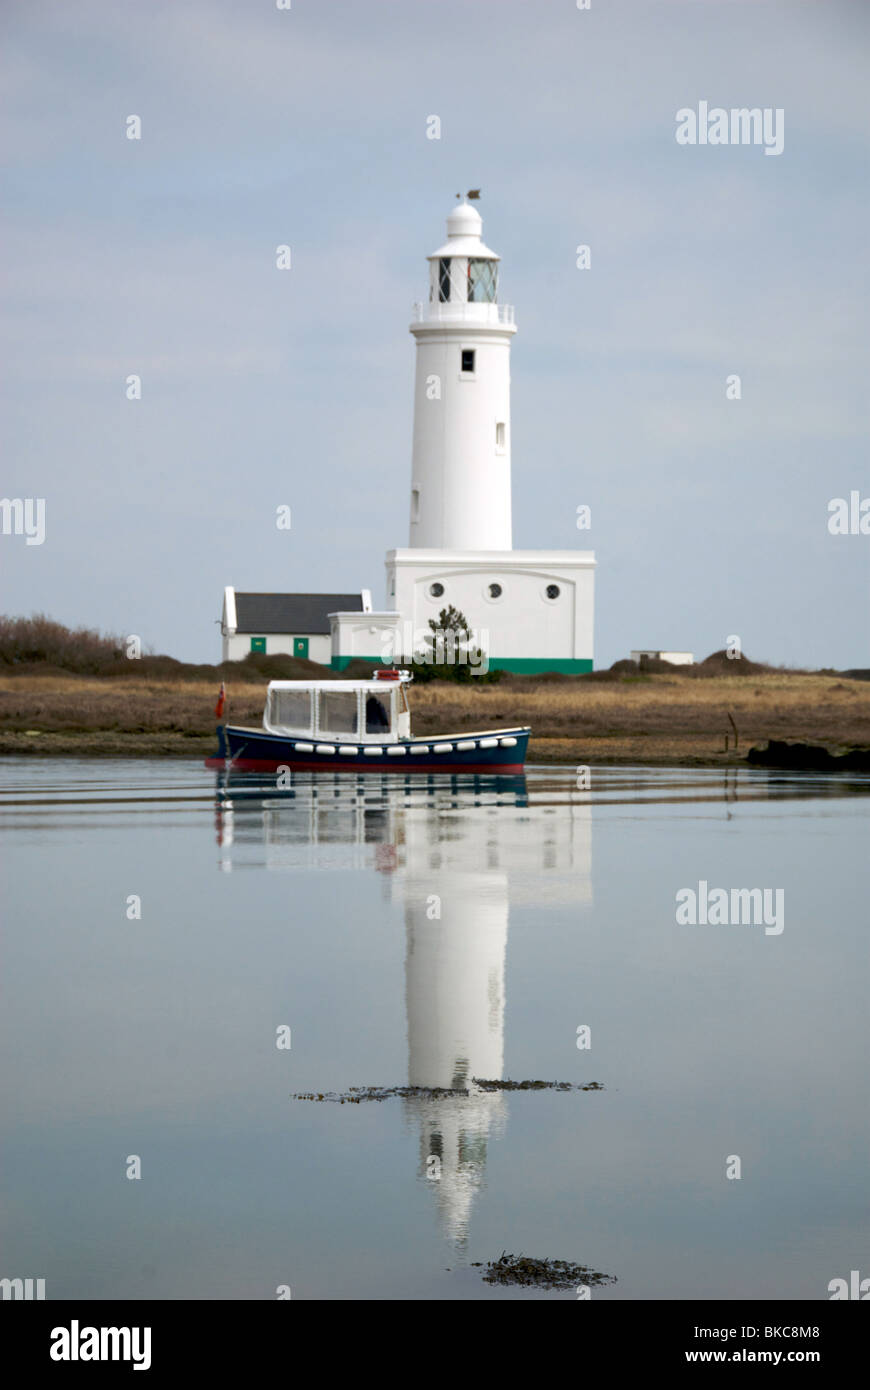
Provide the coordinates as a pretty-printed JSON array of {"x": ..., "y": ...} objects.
[{"x": 284, "y": 624}]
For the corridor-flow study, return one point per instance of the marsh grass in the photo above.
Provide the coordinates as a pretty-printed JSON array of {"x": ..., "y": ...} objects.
[
  {"x": 653, "y": 718},
  {"x": 774, "y": 705}
]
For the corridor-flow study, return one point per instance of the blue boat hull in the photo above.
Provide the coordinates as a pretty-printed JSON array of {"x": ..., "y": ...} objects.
[{"x": 251, "y": 750}]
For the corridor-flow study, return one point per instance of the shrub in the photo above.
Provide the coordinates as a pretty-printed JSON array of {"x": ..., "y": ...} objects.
[{"x": 38, "y": 641}]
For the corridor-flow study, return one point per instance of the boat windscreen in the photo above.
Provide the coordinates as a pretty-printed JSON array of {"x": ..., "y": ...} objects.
[
  {"x": 290, "y": 709},
  {"x": 377, "y": 714},
  {"x": 338, "y": 712}
]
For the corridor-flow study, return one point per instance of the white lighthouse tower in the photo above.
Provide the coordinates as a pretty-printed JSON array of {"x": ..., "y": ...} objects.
[
  {"x": 461, "y": 465},
  {"x": 530, "y": 610}
]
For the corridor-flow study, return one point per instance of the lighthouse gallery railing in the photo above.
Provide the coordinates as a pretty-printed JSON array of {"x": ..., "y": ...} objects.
[{"x": 455, "y": 311}]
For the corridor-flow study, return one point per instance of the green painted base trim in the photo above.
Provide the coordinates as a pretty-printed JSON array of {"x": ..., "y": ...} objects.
[
  {"x": 531, "y": 665},
  {"x": 339, "y": 663},
  {"x": 521, "y": 665}
]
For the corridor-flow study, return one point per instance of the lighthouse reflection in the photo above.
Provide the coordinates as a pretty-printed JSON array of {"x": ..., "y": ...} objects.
[
  {"x": 456, "y": 854},
  {"x": 456, "y": 921}
]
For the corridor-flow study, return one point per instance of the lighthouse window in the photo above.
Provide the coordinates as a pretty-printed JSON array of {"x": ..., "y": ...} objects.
[
  {"x": 499, "y": 437},
  {"x": 553, "y": 591},
  {"x": 494, "y": 590},
  {"x": 436, "y": 590},
  {"x": 444, "y": 281},
  {"x": 468, "y": 359},
  {"x": 482, "y": 281}
]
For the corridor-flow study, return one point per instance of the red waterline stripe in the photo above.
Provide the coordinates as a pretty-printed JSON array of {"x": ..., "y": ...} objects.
[{"x": 267, "y": 765}]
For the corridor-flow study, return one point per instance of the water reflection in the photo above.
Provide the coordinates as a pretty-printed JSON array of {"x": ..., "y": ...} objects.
[
  {"x": 455, "y": 872},
  {"x": 458, "y": 854},
  {"x": 707, "y": 1043}
]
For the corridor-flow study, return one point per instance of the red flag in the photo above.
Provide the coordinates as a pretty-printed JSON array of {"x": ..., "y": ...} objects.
[{"x": 222, "y": 699}]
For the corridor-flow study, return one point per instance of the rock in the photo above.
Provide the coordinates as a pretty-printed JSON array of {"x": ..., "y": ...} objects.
[{"x": 778, "y": 753}]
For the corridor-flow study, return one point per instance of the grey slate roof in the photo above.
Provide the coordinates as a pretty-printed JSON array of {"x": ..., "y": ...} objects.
[{"x": 293, "y": 614}]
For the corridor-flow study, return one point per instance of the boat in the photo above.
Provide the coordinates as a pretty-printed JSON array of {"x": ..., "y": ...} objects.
[{"x": 358, "y": 726}]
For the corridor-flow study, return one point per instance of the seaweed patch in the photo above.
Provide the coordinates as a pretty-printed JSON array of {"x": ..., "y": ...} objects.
[
  {"x": 357, "y": 1094},
  {"x": 540, "y": 1274},
  {"x": 535, "y": 1085}
]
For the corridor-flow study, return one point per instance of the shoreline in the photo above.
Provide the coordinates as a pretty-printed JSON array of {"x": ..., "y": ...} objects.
[
  {"x": 184, "y": 748},
  {"x": 543, "y": 752}
]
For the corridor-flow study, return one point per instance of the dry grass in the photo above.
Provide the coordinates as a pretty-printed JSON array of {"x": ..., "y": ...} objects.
[
  {"x": 656, "y": 718},
  {"x": 798, "y": 705},
  {"x": 67, "y": 704}
]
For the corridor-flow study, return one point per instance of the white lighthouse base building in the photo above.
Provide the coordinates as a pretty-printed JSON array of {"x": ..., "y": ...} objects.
[{"x": 529, "y": 610}]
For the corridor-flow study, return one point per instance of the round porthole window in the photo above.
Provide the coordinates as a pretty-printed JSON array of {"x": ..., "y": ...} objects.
[
  {"x": 553, "y": 591},
  {"x": 436, "y": 590},
  {"x": 494, "y": 590}
]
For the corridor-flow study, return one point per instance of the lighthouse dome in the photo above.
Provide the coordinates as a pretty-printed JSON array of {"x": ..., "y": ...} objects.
[
  {"x": 464, "y": 226},
  {"x": 464, "y": 220}
]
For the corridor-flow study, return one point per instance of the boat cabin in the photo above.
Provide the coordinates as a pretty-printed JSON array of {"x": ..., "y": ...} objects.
[{"x": 352, "y": 711}]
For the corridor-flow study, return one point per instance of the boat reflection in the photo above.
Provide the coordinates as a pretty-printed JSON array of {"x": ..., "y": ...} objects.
[{"x": 456, "y": 873}]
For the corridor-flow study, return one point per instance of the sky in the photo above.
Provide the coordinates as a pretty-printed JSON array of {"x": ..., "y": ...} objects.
[{"x": 265, "y": 388}]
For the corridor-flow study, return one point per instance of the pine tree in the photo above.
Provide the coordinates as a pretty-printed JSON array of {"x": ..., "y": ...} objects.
[{"x": 447, "y": 651}]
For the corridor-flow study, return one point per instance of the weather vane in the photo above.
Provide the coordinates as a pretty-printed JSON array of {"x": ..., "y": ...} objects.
[{"x": 472, "y": 193}]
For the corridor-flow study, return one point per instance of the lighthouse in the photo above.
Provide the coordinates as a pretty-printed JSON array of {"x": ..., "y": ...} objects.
[
  {"x": 529, "y": 610},
  {"x": 461, "y": 459}
]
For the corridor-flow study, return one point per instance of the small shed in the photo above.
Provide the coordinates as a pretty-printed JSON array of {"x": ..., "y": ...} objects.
[{"x": 675, "y": 658}]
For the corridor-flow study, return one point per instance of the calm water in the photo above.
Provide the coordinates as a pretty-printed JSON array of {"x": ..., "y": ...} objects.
[{"x": 425, "y": 933}]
